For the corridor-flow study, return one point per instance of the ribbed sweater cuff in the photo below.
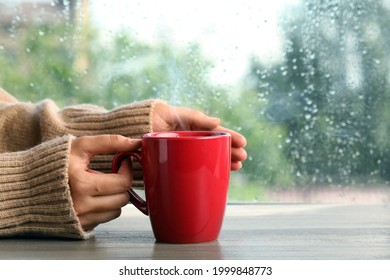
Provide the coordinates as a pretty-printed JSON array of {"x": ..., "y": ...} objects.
[
  {"x": 35, "y": 196},
  {"x": 132, "y": 120}
]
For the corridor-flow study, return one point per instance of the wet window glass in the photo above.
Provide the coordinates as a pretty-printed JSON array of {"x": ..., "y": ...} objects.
[{"x": 306, "y": 81}]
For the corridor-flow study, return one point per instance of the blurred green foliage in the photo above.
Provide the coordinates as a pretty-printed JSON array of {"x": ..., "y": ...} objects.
[{"x": 331, "y": 93}]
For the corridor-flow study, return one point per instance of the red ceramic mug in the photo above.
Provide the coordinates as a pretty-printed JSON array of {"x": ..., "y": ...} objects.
[{"x": 186, "y": 177}]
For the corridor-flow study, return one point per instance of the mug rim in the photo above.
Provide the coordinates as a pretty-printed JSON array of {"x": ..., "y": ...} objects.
[{"x": 183, "y": 134}]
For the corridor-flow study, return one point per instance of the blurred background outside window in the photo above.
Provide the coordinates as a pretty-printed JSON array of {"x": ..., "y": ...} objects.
[{"x": 306, "y": 81}]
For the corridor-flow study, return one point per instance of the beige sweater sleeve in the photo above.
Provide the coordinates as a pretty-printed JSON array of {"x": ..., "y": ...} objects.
[
  {"x": 34, "y": 192},
  {"x": 34, "y": 147}
]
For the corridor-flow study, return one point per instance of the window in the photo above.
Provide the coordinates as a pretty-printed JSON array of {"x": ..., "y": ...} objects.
[{"x": 306, "y": 81}]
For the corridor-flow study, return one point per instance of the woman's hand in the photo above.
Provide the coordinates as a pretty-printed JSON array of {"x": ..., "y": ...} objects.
[
  {"x": 98, "y": 197},
  {"x": 170, "y": 118}
]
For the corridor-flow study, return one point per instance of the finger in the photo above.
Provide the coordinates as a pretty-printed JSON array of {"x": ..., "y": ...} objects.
[
  {"x": 102, "y": 203},
  {"x": 109, "y": 184},
  {"x": 236, "y": 165},
  {"x": 101, "y": 184},
  {"x": 239, "y": 154},
  {"x": 92, "y": 220},
  {"x": 238, "y": 140},
  {"x": 107, "y": 144},
  {"x": 108, "y": 202},
  {"x": 126, "y": 169}
]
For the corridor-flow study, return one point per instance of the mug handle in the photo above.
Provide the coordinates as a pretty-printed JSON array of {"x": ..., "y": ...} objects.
[{"x": 135, "y": 199}]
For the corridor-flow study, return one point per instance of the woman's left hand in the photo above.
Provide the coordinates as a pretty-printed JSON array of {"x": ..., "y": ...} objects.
[{"x": 169, "y": 118}]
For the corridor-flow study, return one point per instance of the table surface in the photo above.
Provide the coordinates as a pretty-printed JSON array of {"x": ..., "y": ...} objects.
[{"x": 250, "y": 231}]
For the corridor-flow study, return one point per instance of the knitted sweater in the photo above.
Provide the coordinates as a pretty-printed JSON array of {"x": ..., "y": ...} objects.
[{"x": 34, "y": 150}]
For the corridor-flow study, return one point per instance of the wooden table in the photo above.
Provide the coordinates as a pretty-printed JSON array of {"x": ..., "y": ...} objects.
[{"x": 250, "y": 231}]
